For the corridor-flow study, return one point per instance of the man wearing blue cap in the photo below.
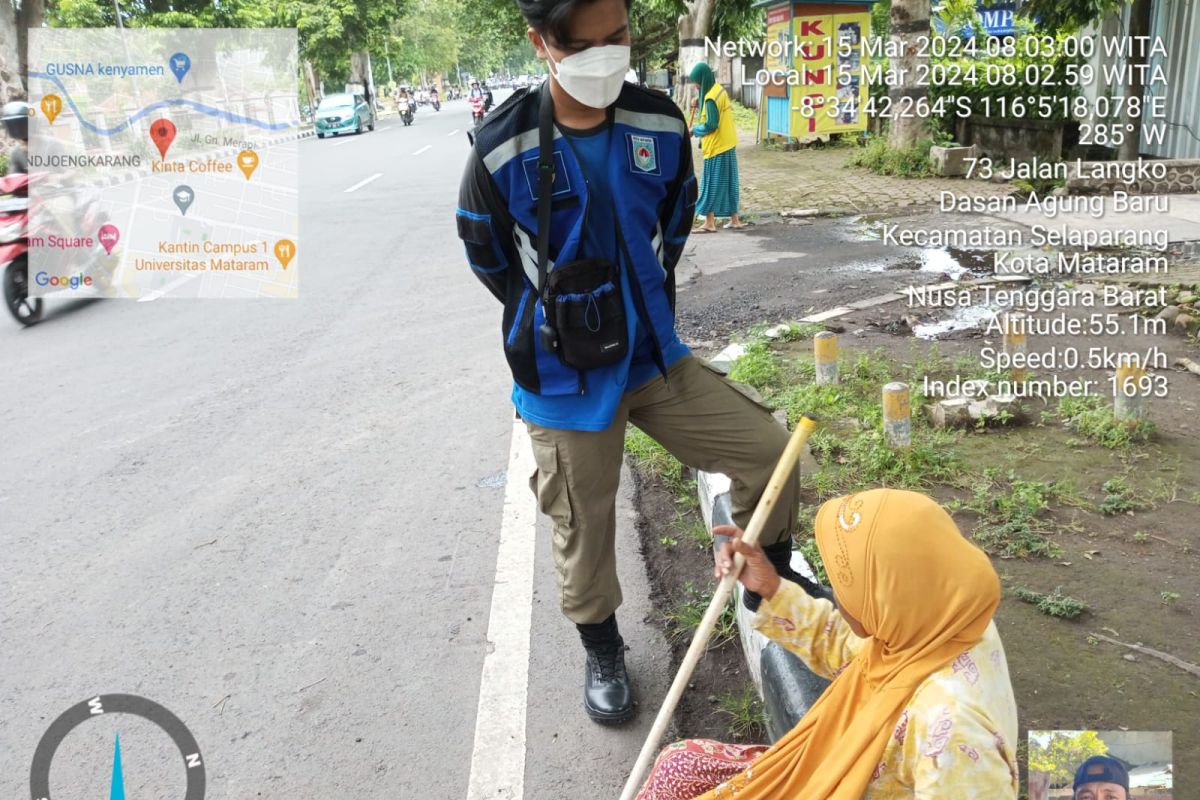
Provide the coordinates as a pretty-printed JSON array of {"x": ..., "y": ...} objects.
[{"x": 1101, "y": 778}]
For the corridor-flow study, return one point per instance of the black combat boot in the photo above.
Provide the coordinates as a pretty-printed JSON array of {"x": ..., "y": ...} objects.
[
  {"x": 607, "y": 696},
  {"x": 780, "y": 556}
]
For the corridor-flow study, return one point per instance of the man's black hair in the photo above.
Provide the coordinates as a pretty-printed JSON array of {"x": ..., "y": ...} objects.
[{"x": 553, "y": 17}]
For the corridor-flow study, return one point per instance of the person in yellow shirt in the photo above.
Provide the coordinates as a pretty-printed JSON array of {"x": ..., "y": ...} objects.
[
  {"x": 920, "y": 704},
  {"x": 719, "y": 188}
]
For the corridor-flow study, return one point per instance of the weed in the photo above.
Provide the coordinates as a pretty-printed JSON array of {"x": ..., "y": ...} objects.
[
  {"x": 667, "y": 541},
  {"x": 1094, "y": 419},
  {"x": 693, "y": 529},
  {"x": 800, "y": 331},
  {"x": 1119, "y": 497},
  {"x": 1140, "y": 537},
  {"x": 1011, "y": 524},
  {"x": 907, "y": 162},
  {"x": 1055, "y": 604},
  {"x": 747, "y": 716},
  {"x": 686, "y": 613},
  {"x": 855, "y": 460},
  {"x": 1169, "y": 597}
]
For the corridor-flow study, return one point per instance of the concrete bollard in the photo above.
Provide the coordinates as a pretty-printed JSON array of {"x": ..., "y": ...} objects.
[
  {"x": 825, "y": 352},
  {"x": 897, "y": 415},
  {"x": 1015, "y": 342},
  {"x": 1129, "y": 390}
]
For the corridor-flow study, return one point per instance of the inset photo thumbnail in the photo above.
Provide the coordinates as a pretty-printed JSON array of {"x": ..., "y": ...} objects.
[{"x": 1100, "y": 765}]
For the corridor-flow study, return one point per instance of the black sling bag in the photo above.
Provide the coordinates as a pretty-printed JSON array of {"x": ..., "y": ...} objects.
[{"x": 584, "y": 309}]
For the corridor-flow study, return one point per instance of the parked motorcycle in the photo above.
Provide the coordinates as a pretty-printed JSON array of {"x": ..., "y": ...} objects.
[{"x": 405, "y": 108}]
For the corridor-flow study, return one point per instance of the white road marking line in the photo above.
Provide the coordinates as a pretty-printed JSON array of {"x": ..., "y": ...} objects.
[
  {"x": 342, "y": 143},
  {"x": 364, "y": 182},
  {"x": 498, "y": 757},
  {"x": 422, "y": 150},
  {"x": 453, "y": 132}
]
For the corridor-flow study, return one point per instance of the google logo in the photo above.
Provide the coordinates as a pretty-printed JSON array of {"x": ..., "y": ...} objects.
[{"x": 65, "y": 281}]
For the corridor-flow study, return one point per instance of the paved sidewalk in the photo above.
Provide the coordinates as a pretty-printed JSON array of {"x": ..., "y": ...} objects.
[{"x": 775, "y": 180}]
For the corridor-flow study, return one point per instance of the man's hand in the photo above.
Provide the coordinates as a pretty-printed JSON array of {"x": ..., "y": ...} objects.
[{"x": 759, "y": 575}]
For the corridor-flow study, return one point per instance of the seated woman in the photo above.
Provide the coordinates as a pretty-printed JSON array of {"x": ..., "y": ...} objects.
[{"x": 920, "y": 705}]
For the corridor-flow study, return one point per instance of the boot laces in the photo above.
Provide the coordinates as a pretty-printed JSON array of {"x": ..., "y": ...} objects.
[{"x": 610, "y": 663}]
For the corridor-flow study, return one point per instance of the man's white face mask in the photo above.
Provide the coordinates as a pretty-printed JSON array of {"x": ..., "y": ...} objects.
[{"x": 593, "y": 76}]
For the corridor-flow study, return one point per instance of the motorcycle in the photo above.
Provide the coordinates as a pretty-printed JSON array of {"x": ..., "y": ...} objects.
[
  {"x": 14, "y": 249},
  {"x": 437, "y": 104},
  {"x": 405, "y": 107},
  {"x": 76, "y": 216},
  {"x": 477, "y": 111}
]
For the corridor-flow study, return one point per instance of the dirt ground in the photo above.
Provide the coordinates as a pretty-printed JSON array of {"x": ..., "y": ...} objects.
[{"x": 1138, "y": 571}]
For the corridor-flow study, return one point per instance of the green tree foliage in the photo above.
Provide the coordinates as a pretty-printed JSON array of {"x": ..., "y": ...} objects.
[
  {"x": 1054, "y": 15},
  {"x": 1062, "y": 753}
]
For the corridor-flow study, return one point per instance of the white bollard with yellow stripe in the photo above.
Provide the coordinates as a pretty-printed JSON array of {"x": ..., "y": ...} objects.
[
  {"x": 897, "y": 415},
  {"x": 1129, "y": 389},
  {"x": 825, "y": 353}
]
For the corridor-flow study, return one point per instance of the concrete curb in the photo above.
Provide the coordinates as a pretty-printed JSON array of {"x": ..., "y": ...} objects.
[{"x": 788, "y": 688}]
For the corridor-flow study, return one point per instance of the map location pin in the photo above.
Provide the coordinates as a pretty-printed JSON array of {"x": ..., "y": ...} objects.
[
  {"x": 183, "y": 197},
  {"x": 162, "y": 131},
  {"x": 51, "y": 105},
  {"x": 247, "y": 161},
  {"x": 285, "y": 251},
  {"x": 109, "y": 236},
  {"x": 180, "y": 64}
]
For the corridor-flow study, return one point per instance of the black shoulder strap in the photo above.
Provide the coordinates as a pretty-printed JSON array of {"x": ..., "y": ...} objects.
[{"x": 545, "y": 183}]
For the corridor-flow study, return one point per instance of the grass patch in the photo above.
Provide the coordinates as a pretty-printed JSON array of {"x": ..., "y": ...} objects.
[
  {"x": 905, "y": 162},
  {"x": 747, "y": 717},
  {"x": 650, "y": 456},
  {"x": 808, "y": 549},
  {"x": 1093, "y": 418},
  {"x": 759, "y": 367},
  {"x": 1011, "y": 511},
  {"x": 1055, "y": 604},
  {"x": 685, "y": 614},
  {"x": 692, "y": 529}
]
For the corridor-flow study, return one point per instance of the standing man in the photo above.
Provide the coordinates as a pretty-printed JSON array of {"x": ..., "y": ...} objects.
[{"x": 621, "y": 195}]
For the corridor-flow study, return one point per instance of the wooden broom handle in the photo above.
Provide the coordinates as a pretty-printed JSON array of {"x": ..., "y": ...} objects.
[{"x": 766, "y": 504}]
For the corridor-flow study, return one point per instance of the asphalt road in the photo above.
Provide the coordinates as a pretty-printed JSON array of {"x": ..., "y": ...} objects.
[{"x": 281, "y": 519}]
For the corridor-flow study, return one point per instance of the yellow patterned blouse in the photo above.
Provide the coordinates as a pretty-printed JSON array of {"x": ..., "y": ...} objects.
[{"x": 957, "y": 737}]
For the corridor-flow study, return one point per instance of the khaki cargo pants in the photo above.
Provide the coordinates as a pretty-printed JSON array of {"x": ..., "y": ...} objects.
[{"x": 702, "y": 419}]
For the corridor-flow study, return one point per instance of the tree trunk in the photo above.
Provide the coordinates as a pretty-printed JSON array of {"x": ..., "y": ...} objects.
[
  {"x": 910, "y": 19},
  {"x": 12, "y": 77},
  {"x": 694, "y": 25},
  {"x": 31, "y": 15},
  {"x": 310, "y": 84},
  {"x": 1139, "y": 25},
  {"x": 360, "y": 72}
]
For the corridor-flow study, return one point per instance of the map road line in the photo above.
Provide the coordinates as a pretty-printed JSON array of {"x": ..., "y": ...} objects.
[
  {"x": 498, "y": 757},
  {"x": 422, "y": 150},
  {"x": 364, "y": 182}
]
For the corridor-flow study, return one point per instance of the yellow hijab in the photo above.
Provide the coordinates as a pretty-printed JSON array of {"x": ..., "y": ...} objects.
[{"x": 925, "y": 594}]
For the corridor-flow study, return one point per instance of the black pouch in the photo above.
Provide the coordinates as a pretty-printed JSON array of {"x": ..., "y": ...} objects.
[{"x": 587, "y": 311}]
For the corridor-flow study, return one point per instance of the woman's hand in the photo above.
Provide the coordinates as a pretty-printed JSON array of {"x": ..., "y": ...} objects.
[{"x": 758, "y": 575}]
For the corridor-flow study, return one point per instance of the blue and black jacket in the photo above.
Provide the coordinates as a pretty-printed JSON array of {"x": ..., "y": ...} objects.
[{"x": 650, "y": 170}]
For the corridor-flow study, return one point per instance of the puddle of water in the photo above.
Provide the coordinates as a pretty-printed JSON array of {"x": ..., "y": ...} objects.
[
  {"x": 960, "y": 319},
  {"x": 939, "y": 260}
]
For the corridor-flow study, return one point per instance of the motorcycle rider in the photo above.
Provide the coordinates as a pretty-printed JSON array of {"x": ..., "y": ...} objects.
[
  {"x": 434, "y": 99},
  {"x": 488, "y": 102},
  {"x": 16, "y": 125}
]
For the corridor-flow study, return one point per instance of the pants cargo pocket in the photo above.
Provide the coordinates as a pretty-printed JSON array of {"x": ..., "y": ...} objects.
[
  {"x": 748, "y": 392},
  {"x": 550, "y": 485}
]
